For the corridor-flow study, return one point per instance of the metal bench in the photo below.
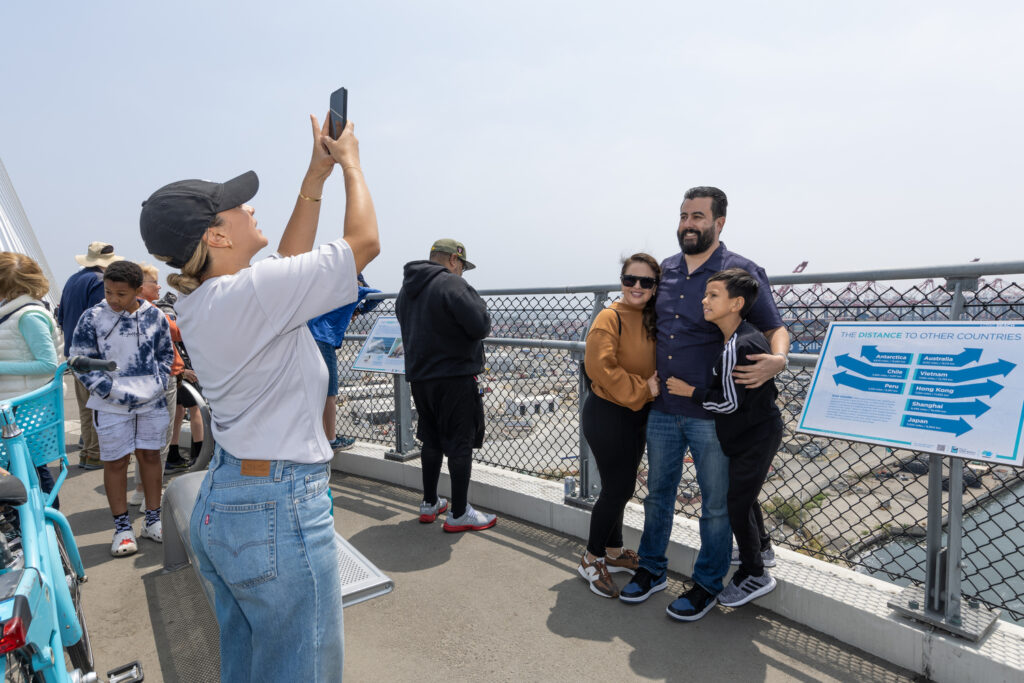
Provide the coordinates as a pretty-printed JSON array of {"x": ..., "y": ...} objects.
[{"x": 360, "y": 579}]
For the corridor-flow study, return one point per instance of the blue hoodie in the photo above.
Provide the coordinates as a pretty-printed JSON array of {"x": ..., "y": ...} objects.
[
  {"x": 330, "y": 327},
  {"x": 140, "y": 344}
]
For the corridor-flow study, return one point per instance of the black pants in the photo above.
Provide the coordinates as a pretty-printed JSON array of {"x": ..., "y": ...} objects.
[
  {"x": 748, "y": 469},
  {"x": 47, "y": 482},
  {"x": 617, "y": 437},
  {"x": 450, "y": 422}
]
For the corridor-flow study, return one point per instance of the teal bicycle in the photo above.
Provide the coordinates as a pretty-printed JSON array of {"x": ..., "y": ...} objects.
[{"x": 41, "y": 571}]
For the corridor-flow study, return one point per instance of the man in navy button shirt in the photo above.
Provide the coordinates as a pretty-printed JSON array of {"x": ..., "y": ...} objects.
[{"x": 687, "y": 348}]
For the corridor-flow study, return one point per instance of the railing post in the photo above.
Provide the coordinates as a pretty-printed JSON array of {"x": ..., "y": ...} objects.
[
  {"x": 405, "y": 444},
  {"x": 584, "y": 492},
  {"x": 957, "y": 302},
  {"x": 956, "y": 476}
]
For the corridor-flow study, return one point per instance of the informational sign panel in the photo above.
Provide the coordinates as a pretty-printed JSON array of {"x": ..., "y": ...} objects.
[
  {"x": 383, "y": 350},
  {"x": 950, "y": 388}
]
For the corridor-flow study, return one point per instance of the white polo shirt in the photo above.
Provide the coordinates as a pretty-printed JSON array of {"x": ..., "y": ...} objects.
[{"x": 261, "y": 371}]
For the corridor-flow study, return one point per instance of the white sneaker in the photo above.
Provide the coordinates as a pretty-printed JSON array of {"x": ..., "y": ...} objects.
[
  {"x": 154, "y": 531},
  {"x": 137, "y": 498},
  {"x": 124, "y": 544}
]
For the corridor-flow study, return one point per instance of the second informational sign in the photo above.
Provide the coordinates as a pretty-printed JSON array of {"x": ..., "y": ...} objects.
[
  {"x": 383, "y": 350},
  {"x": 952, "y": 388}
]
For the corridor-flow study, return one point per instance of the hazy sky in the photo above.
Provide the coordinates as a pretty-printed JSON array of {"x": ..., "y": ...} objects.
[{"x": 551, "y": 137}]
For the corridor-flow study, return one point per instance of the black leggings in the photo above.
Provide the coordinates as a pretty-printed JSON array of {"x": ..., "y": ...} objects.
[{"x": 617, "y": 437}]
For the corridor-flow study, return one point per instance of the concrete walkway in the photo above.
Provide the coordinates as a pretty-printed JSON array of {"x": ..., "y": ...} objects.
[{"x": 499, "y": 605}]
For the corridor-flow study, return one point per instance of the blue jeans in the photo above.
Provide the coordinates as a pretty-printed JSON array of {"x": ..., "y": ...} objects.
[
  {"x": 266, "y": 545},
  {"x": 668, "y": 437}
]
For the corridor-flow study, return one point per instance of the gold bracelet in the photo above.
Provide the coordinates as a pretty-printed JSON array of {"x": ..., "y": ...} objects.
[{"x": 309, "y": 199}]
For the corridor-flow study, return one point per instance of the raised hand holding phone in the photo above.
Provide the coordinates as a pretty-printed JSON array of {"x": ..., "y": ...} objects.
[{"x": 344, "y": 150}]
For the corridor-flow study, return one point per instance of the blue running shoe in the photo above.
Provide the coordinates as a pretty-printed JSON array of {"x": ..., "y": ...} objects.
[{"x": 643, "y": 585}]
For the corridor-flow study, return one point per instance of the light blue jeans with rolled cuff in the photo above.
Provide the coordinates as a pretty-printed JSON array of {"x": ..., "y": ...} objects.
[
  {"x": 668, "y": 438},
  {"x": 266, "y": 546}
]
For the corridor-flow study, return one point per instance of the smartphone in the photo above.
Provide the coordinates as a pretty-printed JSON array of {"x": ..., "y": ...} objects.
[{"x": 339, "y": 112}]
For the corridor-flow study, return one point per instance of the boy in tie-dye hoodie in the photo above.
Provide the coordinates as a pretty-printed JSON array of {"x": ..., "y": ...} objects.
[{"x": 129, "y": 404}]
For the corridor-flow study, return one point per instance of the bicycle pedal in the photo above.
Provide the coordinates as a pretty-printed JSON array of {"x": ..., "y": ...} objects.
[{"x": 129, "y": 673}]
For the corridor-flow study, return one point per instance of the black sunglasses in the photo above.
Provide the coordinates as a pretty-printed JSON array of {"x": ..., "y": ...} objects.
[{"x": 645, "y": 282}]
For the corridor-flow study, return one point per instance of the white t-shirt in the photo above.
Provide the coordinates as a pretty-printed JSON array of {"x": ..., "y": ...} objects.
[{"x": 261, "y": 371}]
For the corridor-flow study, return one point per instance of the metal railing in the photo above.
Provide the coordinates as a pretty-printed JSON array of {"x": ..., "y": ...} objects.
[{"x": 845, "y": 502}]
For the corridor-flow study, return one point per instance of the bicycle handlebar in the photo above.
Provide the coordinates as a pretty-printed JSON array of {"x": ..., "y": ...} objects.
[{"x": 85, "y": 364}]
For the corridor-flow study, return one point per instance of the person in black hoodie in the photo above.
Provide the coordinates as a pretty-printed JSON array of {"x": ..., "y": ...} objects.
[{"x": 444, "y": 322}]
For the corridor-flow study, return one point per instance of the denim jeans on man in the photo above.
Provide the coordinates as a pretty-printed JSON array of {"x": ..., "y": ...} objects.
[
  {"x": 266, "y": 545},
  {"x": 668, "y": 437}
]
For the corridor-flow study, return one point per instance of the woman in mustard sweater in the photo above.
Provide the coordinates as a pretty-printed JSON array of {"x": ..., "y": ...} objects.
[{"x": 620, "y": 363}]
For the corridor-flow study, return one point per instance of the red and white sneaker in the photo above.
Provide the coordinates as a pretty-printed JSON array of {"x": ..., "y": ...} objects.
[
  {"x": 471, "y": 520},
  {"x": 428, "y": 513},
  {"x": 124, "y": 544}
]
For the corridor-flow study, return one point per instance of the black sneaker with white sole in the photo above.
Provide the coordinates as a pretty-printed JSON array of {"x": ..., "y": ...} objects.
[
  {"x": 692, "y": 605},
  {"x": 643, "y": 585}
]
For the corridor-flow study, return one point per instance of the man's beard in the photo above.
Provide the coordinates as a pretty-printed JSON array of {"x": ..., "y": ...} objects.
[{"x": 704, "y": 240}]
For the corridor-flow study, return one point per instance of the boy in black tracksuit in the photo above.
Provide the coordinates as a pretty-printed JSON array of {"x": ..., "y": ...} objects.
[{"x": 747, "y": 422}]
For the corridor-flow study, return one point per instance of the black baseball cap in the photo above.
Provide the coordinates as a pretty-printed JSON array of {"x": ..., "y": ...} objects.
[{"x": 175, "y": 217}]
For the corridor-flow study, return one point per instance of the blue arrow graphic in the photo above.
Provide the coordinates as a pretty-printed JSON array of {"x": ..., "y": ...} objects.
[
  {"x": 890, "y": 357},
  {"x": 849, "y": 380},
  {"x": 975, "y": 407},
  {"x": 936, "y": 424},
  {"x": 861, "y": 368},
  {"x": 987, "y": 388},
  {"x": 1000, "y": 367},
  {"x": 948, "y": 360}
]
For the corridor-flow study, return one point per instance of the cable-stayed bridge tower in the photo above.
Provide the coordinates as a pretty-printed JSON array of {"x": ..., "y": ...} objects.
[{"x": 16, "y": 232}]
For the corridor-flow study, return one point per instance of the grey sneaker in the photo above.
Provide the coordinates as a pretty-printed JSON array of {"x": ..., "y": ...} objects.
[
  {"x": 471, "y": 520},
  {"x": 428, "y": 513},
  {"x": 743, "y": 589},
  {"x": 767, "y": 556}
]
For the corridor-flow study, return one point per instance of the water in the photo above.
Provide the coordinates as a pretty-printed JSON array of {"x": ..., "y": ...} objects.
[{"x": 992, "y": 537}]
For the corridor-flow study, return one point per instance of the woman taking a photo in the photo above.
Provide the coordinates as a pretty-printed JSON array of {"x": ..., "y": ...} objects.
[
  {"x": 620, "y": 364},
  {"x": 261, "y": 528}
]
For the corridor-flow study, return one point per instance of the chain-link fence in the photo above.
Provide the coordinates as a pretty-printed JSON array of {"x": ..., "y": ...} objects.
[{"x": 845, "y": 502}]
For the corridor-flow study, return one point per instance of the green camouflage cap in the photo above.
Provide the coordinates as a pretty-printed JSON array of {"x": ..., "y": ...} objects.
[{"x": 449, "y": 246}]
